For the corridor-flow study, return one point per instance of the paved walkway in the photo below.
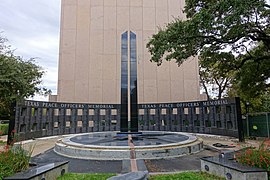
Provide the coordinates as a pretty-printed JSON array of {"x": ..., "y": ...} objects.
[
  {"x": 79, "y": 165},
  {"x": 43, "y": 144},
  {"x": 43, "y": 153}
]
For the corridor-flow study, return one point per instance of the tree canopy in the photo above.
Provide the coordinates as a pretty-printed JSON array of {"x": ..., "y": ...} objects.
[
  {"x": 212, "y": 80},
  {"x": 233, "y": 34},
  {"x": 18, "y": 78}
]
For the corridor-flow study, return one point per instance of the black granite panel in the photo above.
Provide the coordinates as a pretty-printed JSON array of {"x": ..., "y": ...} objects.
[
  {"x": 35, "y": 172},
  {"x": 229, "y": 162},
  {"x": 124, "y": 83},
  {"x": 133, "y": 69},
  {"x": 133, "y": 53},
  {"x": 133, "y": 83}
]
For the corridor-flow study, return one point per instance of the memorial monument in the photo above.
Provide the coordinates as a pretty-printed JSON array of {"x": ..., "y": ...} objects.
[
  {"x": 107, "y": 84},
  {"x": 103, "y": 56}
]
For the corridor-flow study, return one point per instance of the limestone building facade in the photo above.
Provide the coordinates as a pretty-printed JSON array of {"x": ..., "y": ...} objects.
[{"x": 103, "y": 53}]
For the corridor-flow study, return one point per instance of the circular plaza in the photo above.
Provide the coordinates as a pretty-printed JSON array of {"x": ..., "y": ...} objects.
[{"x": 118, "y": 146}]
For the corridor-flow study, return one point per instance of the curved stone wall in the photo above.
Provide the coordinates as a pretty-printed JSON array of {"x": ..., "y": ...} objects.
[{"x": 35, "y": 119}]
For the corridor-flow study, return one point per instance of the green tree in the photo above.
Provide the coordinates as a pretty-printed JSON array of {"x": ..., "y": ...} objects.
[
  {"x": 233, "y": 34},
  {"x": 214, "y": 80},
  {"x": 251, "y": 82},
  {"x": 253, "y": 78},
  {"x": 18, "y": 78}
]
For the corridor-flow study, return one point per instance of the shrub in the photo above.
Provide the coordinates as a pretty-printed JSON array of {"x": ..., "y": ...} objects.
[
  {"x": 14, "y": 158},
  {"x": 259, "y": 157},
  {"x": 3, "y": 129}
]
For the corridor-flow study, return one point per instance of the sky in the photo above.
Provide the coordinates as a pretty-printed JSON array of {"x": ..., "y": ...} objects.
[{"x": 32, "y": 28}]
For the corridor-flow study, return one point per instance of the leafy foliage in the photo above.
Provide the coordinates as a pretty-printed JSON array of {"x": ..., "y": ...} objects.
[
  {"x": 256, "y": 157},
  {"x": 252, "y": 79},
  {"x": 231, "y": 38},
  {"x": 13, "y": 160},
  {"x": 212, "y": 79},
  {"x": 3, "y": 129},
  {"x": 251, "y": 83},
  {"x": 18, "y": 78},
  {"x": 213, "y": 26}
]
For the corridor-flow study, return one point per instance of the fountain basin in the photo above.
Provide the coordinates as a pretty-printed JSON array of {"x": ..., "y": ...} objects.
[{"x": 115, "y": 146}]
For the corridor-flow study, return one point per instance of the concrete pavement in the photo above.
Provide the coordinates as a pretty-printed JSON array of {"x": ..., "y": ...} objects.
[
  {"x": 43, "y": 153},
  {"x": 41, "y": 145}
]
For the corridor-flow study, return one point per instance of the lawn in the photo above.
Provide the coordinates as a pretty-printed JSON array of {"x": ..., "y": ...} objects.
[
  {"x": 184, "y": 176},
  {"x": 75, "y": 176}
]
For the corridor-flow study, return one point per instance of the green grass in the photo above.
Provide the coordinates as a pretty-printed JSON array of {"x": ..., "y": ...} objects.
[
  {"x": 180, "y": 176},
  {"x": 74, "y": 176},
  {"x": 186, "y": 176},
  {"x": 3, "y": 129}
]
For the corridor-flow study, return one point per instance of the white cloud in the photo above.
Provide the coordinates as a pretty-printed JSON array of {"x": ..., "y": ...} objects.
[{"x": 32, "y": 28}]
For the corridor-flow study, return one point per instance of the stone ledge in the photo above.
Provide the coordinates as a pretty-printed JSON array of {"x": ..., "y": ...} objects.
[
  {"x": 43, "y": 171},
  {"x": 225, "y": 167}
]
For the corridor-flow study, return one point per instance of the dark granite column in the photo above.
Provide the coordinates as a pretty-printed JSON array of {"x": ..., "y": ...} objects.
[
  {"x": 133, "y": 83},
  {"x": 124, "y": 83}
]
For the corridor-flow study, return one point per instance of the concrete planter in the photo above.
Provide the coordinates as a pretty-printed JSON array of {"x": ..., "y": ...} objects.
[{"x": 225, "y": 166}]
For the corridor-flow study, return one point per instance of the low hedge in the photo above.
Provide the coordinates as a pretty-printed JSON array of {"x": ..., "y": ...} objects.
[{"x": 3, "y": 129}]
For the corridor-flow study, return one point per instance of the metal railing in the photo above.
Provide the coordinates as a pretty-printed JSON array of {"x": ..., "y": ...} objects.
[{"x": 258, "y": 124}]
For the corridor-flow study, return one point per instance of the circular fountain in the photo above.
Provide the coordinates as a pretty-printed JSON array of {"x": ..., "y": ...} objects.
[{"x": 118, "y": 146}]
